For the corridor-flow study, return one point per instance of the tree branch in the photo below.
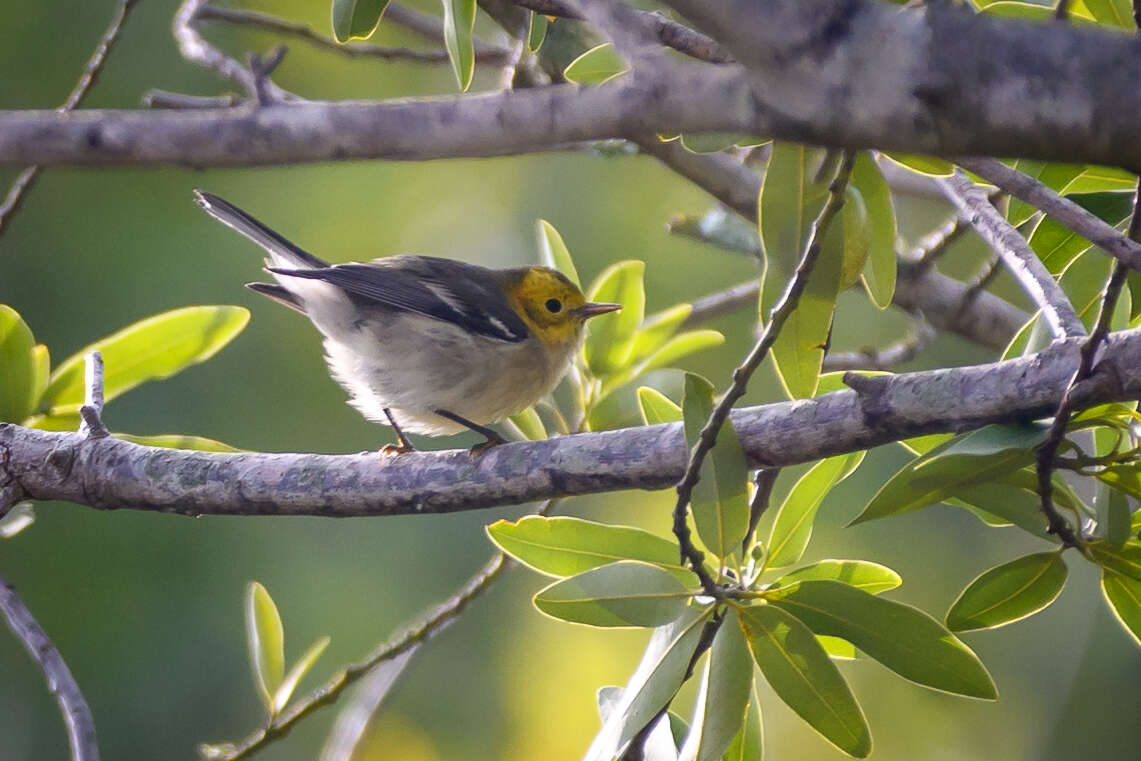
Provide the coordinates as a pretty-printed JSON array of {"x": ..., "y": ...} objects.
[
  {"x": 76, "y": 713},
  {"x": 1028, "y": 270}
]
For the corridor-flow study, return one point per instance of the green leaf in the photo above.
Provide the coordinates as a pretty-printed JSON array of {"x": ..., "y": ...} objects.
[
  {"x": 151, "y": 349},
  {"x": 1118, "y": 13},
  {"x": 906, "y": 640},
  {"x": 856, "y": 238},
  {"x": 68, "y": 421},
  {"x": 1009, "y": 592},
  {"x": 987, "y": 454},
  {"x": 459, "y": 21},
  {"x": 720, "y": 500},
  {"x": 1083, "y": 281},
  {"x": 356, "y": 19},
  {"x": 880, "y": 271},
  {"x": 1053, "y": 175},
  {"x": 791, "y": 197},
  {"x": 595, "y": 66},
  {"x": 658, "y": 329},
  {"x": 653, "y": 685},
  {"x": 1012, "y": 502},
  {"x": 838, "y": 648},
  {"x": 1123, "y": 593},
  {"x": 563, "y": 546},
  {"x": 679, "y": 346},
  {"x": 873, "y": 578},
  {"x": 1057, "y": 245},
  {"x": 536, "y": 31},
  {"x": 266, "y": 639},
  {"x": 749, "y": 742},
  {"x": 656, "y": 407},
  {"x": 530, "y": 425},
  {"x": 804, "y": 677},
  {"x": 554, "y": 252},
  {"x": 1125, "y": 561},
  {"x": 792, "y": 527},
  {"x": 22, "y": 515},
  {"x": 609, "y": 337},
  {"x": 723, "y": 694},
  {"x": 710, "y": 142},
  {"x": 178, "y": 441},
  {"x": 626, "y": 593},
  {"x": 1118, "y": 519},
  {"x": 20, "y": 365},
  {"x": 297, "y": 673},
  {"x": 1095, "y": 179},
  {"x": 41, "y": 357},
  {"x": 660, "y": 743},
  {"x": 928, "y": 165}
]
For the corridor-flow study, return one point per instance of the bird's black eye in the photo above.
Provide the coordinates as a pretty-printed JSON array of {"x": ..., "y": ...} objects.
[{"x": 554, "y": 305}]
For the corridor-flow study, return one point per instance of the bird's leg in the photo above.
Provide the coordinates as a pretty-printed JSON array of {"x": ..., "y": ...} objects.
[
  {"x": 405, "y": 445},
  {"x": 493, "y": 438}
]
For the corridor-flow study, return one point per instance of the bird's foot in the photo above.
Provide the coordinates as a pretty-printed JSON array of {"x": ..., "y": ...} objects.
[
  {"x": 391, "y": 450},
  {"x": 482, "y": 447}
]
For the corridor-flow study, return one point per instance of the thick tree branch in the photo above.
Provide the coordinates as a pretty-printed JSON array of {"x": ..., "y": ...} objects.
[
  {"x": 76, "y": 713},
  {"x": 112, "y": 474},
  {"x": 1027, "y": 269}
]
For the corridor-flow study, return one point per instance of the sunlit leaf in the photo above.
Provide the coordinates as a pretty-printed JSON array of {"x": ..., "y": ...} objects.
[
  {"x": 151, "y": 349},
  {"x": 1057, "y": 245},
  {"x": 530, "y": 425},
  {"x": 720, "y": 500},
  {"x": 22, "y": 515},
  {"x": 1051, "y": 174},
  {"x": 657, "y": 329},
  {"x": 609, "y": 337},
  {"x": 18, "y": 367},
  {"x": 723, "y": 694},
  {"x": 536, "y": 31},
  {"x": 880, "y": 271},
  {"x": 792, "y": 527},
  {"x": 626, "y": 593},
  {"x": 595, "y": 66},
  {"x": 871, "y": 577},
  {"x": 928, "y": 165},
  {"x": 905, "y": 639},
  {"x": 1118, "y": 519},
  {"x": 178, "y": 441},
  {"x": 1118, "y": 13},
  {"x": 1123, "y": 593},
  {"x": 654, "y": 683},
  {"x": 656, "y": 407},
  {"x": 266, "y": 639},
  {"x": 459, "y": 22},
  {"x": 1009, "y": 592},
  {"x": 804, "y": 677},
  {"x": 984, "y": 455},
  {"x": 356, "y": 19},
  {"x": 749, "y": 742},
  {"x": 712, "y": 142},
  {"x": 1095, "y": 179},
  {"x": 564, "y": 546},
  {"x": 681, "y": 345},
  {"x": 660, "y": 743},
  {"x": 1012, "y": 502},
  {"x": 554, "y": 252},
  {"x": 297, "y": 673},
  {"x": 67, "y": 421},
  {"x": 1125, "y": 561}
]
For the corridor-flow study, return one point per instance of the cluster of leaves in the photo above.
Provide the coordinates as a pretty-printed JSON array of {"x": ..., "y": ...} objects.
[
  {"x": 619, "y": 348},
  {"x": 790, "y": 625},
  {"x": 35, "y": 395}
]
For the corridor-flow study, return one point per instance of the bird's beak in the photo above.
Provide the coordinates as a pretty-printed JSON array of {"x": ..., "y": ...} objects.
[{"x": 593, "y": 310}]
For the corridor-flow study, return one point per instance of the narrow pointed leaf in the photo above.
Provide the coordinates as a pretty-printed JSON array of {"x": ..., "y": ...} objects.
[
  {"x": 459, "y": 22},
  {"x": 720, "y": 501},
  {"x": 356, "y": 19},
  {"x": 536, "y": 31},
  {"x": 656, "y": 407},
  {"x": 873, "y": 578},
  {"x": 905, "y": 639},
  {"x": 804, "y": 677},
  {"x": 723, "y": 696},
  {"x": 1096, "y": 179},
  {"x": 987, "y": 454},
  {"x": 1009, "y": 592},
  {"x": 266, "y": 640},
  {"x": 792, "y": 527},
  {"x": 19, "y": 366},
  {"x": 880, "y": 270},
  {"x": 22, "y": 515},
  {"x": 178, "y": 441},
  {"x": 151, "y": 349},
  {"x": 42, "y": 359},
  {"x": 1118, "y": 13},
  {"x": 1125, "y": 561},
  {"x": 658, "y": 329},
  {"x": 679, "y": 346},
  {"x": 928, "y": 165},
  {"x": 1118, "y": 518},
  {"x": 530, "y": 425},
  {"x": 626, "y": 593},
  {"x": 554, "y": 252},
  {"x": 749, "y": 743},
  {"x": 595, "y": 66},
  {"x": 653, "y": 684},
  {"x": 660, "y": 744},
  {"x": 1123, "y": 594},
  {"x": 297, "y": 673},
  {"x": 563, "y": 546},
  {"x": 1053, "y": 175},
  {"x": 609, "y": 337}
]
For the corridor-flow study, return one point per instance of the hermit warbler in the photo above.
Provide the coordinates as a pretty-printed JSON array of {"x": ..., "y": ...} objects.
[{"x": 425, "y": 344}]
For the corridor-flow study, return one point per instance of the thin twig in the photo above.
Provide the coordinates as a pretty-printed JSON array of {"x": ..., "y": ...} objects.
[
  {"x": 935, "y": 243},
  {"x": 882, "y": 359},
  {"x": 1067, "y": 213},
  {"x": 440, "y": 617},
  {"x": 1031, "y": 274},
  {"x": 177, "y": 100},
  {"x": 354, "y": 719},
  {"x": 764, "y": 480},
  {"x": 1062, "y": 10},
  {"x": 430, "y": 27},
  {"x": 27, "y": 178},
  {"x": 76, "y": 713},
  {"x": 91, "y": 412},
  {"x": 780, "y": 313},
  {"x": 483, "y": 52},
  {"x": 723, "y": 302}
]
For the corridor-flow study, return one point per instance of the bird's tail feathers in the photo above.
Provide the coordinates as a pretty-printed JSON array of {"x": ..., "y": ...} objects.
[{"x": 281, "y": 251}]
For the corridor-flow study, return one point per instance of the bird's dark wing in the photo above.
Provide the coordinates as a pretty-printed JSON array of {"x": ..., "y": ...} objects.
[{"x": 467, "y": 295}]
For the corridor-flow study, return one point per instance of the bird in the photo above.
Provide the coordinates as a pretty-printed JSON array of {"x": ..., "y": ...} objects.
[{"x": 425, "y": 344}]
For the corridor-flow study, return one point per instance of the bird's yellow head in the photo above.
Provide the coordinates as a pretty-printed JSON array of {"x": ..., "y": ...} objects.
[{"x": 552, "y": 306}]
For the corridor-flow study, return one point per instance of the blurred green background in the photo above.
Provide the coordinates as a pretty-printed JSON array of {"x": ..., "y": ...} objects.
[{"x": 146, "y": 608}]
